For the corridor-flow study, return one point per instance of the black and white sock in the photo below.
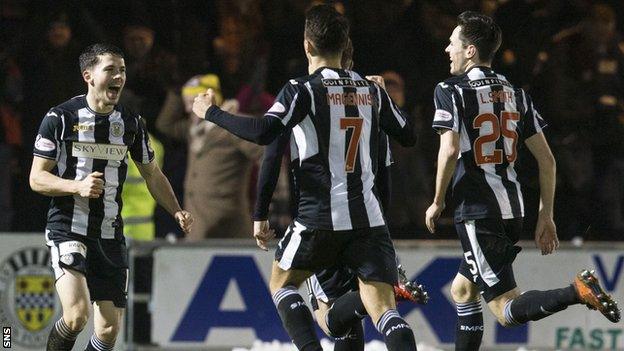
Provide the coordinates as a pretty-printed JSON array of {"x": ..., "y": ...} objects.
[
  {"x": 61, "y": 337},
  {"x": 397, "y": 333},
  {"x": 296, "y": 318},
  {"x": 96, "y": 344},
  {"x": 353, "y": 341},
  {"x": 344, "y": 313},
  {"x": 469, "y": 330},
  {"x": 534, "y": 305}
]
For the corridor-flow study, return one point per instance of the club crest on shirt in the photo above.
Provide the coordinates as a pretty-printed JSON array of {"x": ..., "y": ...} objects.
[{"x": 116, "y": 129}]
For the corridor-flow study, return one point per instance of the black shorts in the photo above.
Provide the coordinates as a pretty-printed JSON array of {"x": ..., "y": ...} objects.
[
  {"x": 489, "y": 246},
  {"x": 369, "y": 252},
  {"x": 329, "y": 284},
  {"x": 104, "y": 263}
]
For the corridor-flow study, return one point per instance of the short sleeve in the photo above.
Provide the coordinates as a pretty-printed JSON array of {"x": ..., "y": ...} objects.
[
  {"x": 292, "y": 104},
  {"x": 47, "y": 142},
  {"x": 446, "y": 116},
  {"x": 533, "y": 122},
  {"x": 141, "y": 149}
]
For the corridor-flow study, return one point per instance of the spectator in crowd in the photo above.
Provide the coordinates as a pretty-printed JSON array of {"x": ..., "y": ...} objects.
[
  {"x": 138, "y": 205},
  {"x": 151, "y": 71},
  {"x": 10, "y": 134},
  {"x": 241, "y": 64},
  {"x": 217, "y": 180},
  {"x": 409, "y": 167},
  {"x": 581, "y": 79}
]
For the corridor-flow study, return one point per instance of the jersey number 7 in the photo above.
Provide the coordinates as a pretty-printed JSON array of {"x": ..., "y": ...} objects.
[
  {"x": 355, "y": 124},
  {"x": 506, "y": 127}
]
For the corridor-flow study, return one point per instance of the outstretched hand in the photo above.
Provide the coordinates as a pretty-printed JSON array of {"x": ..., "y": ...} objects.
[{"x": 203, "y": 101}]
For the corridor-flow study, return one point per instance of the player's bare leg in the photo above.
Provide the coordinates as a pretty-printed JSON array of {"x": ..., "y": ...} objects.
[
  {"x": 498, "y": 306},
  {"x": 107, "y": 323},
  {"x": 469, "y": 328},
  {"x": 293, "y": 311},
  {"x": 74, "y": 295},
  {"x": 379, "y": 301}
]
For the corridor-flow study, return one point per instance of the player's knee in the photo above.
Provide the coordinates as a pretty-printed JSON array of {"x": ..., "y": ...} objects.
[
  {"x": 463, "y": 292},
  {"x": 76, "y": 317},
  {"x": 107, "y": 333},
  {"x": 504, "y": 322}
]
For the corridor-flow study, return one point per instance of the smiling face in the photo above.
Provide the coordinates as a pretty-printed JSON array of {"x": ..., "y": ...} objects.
[
  {"x": 106, "y": 79},
  {"x": 459, "y": 53}
]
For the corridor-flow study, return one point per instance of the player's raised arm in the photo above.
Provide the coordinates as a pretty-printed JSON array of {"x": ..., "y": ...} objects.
[{"x": 291, "y": 105}]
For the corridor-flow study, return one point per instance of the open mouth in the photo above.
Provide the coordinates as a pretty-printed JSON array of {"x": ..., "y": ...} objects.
[{"x": 113, "y": 91}]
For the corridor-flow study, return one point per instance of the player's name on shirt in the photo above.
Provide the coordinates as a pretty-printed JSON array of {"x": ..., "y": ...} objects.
[
  {"x": 497, "y": 96},
  {"x": 349, "y": 99}
]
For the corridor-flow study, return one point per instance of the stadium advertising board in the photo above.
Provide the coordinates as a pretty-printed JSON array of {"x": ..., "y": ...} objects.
[{"x": 220, "y": 297}]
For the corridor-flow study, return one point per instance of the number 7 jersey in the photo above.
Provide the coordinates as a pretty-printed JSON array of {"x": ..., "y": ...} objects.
[
  {"x": 492, "y": 119},
  {"x": 335, "y": 116}
]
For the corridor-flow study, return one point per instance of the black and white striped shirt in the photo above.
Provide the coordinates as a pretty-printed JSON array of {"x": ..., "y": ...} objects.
[
  {"x": 335, "y": 116},
  {"x": 492, "y": 118},
  {"x": 82, "y": 141}
]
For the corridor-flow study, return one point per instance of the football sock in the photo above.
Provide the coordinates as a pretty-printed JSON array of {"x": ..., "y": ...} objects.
[
  {"x": 353, "y": 341},
  {"x": 397, "y": 333},
  {"x": 296, "y": 318},
  {"x": 96, "y": 344},
  {"x": 534, "y": 305},
  {"x": 469, "y": 331},
  {"x": 61, "y": 338},
  {"x": 344, "y": 313}
]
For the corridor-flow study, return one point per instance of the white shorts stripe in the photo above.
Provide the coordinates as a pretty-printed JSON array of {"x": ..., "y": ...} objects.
[
  {"x": 316, "y": 289},
  {"x": 485, "y": 271},
  {"x": 291, "y": 248}
]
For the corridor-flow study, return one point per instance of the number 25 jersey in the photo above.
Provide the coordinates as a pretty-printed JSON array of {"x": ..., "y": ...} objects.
[{"x": 492, "y": 119}]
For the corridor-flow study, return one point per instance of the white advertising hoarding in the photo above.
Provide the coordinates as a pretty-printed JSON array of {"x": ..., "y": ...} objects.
[{"x": 220, "y": 297}]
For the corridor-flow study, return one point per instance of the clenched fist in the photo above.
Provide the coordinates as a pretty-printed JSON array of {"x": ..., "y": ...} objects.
[
  {"x": 202, "y": 102},
  {"x": 92, "y": 186},
  {"x": 185, "y": 220}
]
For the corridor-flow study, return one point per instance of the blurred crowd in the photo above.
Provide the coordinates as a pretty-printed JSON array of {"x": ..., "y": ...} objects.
[{"x": 568, "y": 54}]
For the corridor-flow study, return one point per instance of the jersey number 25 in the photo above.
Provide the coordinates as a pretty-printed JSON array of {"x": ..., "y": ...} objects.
[{"x": 506, "y": 127}]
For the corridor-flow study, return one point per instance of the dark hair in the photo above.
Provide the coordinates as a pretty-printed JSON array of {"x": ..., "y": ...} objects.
[
  {"x": 482, "y": 32},
  {"x": 326, "y": 29},
  {"x": 90, "y": 55}
]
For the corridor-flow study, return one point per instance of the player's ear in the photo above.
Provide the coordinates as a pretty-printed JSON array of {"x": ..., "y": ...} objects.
[
  {"x": 471, "y": 52},
  {"x": 86, "y": 76},
  {"x": 309, "y": 48}
]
